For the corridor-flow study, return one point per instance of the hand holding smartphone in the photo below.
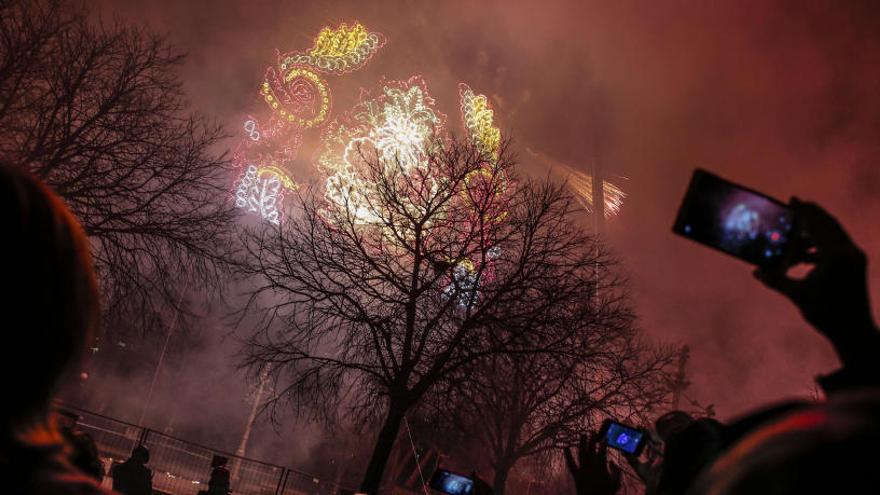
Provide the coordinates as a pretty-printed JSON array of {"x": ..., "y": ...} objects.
[
  {"x": 451, "y": 483},
  {"x": 736, "y": 220},
  {"x": 625, "y": 438}
]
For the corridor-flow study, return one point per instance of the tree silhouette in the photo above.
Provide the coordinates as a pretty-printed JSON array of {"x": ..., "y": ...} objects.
[
  {"x": 97, "y": 112},
  {"x": 374, "y": 295},
  {"x": 528, "y": 405}
]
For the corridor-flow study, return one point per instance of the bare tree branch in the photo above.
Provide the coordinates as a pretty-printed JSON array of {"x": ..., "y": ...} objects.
[
  {"x": 98, "y": 113},
  {"x": 381, "y": 295},
  {"x": 586, "y": 363}
]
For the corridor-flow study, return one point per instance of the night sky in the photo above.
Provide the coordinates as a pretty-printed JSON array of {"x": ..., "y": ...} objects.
[{"x": 781, "y": 96}]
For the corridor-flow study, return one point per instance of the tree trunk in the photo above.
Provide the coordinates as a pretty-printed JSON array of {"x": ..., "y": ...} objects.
[
  {"x": 384, "y": 443},
  {"x": 499, "y": 484}
]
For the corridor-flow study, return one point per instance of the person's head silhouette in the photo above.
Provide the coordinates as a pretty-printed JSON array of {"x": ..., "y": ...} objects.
[
  {"x": 140, "y": 454},
  {"x": 219, "y": 461},
  {"x": 826, "y": 448},
  {"x": 51, "y": 301}
]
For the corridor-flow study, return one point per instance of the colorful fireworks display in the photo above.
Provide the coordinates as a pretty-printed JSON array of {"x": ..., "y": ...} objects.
[
  {"x": 299, "y": 99},
  {"x": 262, "y": 155},
  {"x": 396, "y": 122},
  {"x": 396, "y": 125}
]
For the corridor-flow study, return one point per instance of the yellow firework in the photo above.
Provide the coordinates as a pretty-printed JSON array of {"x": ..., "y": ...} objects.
[
  {"x": 297, "y": 82},
  {"x": 339, "y": 50},
  {"x": 281, "y": 175},
  {"x": 397, "y": 125},
  {"x": 479, "y": 121}
]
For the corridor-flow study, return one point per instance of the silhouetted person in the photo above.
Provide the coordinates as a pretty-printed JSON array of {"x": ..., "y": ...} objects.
[
  {"x": 133, "y": 477},
  {"x": 666, "y": 427},
  {"x": 671, "y": 424},
  {"x": 83, "y": 452},
  {"x": 799, "y": 448},
  {"x": 686, "y": 452},
  {"x": 793, "y": 448},
  {"x": 218, "y": 484},
  {"x": 50, "y": 309},
  {"x": 833, "y": 297},
  {"x": 824, "y": 449},
  {"x": 690, "y": 445}
]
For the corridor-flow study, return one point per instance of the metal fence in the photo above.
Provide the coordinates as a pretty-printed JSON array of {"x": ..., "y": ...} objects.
[{"x": 183, "y": 468}]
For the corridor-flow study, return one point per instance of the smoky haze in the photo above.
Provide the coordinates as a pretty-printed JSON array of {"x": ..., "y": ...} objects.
[{"x": 780, "y": 96}]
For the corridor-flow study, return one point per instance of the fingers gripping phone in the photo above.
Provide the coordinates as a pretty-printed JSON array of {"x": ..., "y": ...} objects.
[
  {"x": 624, "y": 438},
  {"x": 736, "y": 220},
  {"x": 452, "y": 483}
]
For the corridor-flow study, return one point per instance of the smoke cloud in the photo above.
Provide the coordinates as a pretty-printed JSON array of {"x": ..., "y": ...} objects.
[{"x": 780, "y": 96}]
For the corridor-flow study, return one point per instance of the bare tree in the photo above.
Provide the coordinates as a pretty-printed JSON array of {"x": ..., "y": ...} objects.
[
  {"x": 98, "y": 113},
  {"x": 527, "y": 405},
  {"x": 386, "y": 289}
]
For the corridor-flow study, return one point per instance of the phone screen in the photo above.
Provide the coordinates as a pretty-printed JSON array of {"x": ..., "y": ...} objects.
[
  {"x": 734, "y": 219},
  {"x": 451, "y": 483},
  {"x": 624, "y": 438}
]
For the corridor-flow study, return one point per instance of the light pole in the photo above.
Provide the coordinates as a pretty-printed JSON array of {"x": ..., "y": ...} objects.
[
  {"x": 245, "y": 437},
  {"x": 161, "y": 361},
  {"x": 680, "y": 383}
]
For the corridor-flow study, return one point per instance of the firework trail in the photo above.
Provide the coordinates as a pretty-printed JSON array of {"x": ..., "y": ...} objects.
[{"x": 581, "y": 185}]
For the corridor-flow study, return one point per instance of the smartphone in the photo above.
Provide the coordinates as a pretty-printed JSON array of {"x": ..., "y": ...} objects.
[
  {"x": 736, "y": 220},
  {"x": 452, "y": 483},
  {"x": 624, "y": 438}
]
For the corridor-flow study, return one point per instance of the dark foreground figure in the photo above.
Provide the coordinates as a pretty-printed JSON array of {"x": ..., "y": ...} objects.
[
  {"x": 50, "y": 308},
  {"x": 133, "y": 477},
  {"x": 218, "y": 483},
  {"x": 83, "y": 452},
  {"x": 793, "y": 447}
]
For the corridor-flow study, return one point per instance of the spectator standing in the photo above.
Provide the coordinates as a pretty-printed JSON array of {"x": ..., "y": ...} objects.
[
  {"x": 50, "y": 315},
  {"x": 133, "y": 477}
]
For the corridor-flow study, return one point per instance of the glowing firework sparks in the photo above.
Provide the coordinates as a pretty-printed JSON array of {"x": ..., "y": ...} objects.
[
  {"x": 297, "y": 93},
  {"x": 300, "y": 99},
  {"x": 398, "y": 125},
  {"x": 485, "y": 191},
  {"x": 582, "y": 185},
  {"x": 406, "y": 124},
  {"x": 272, "y": 141},
  {"x": 339, "y": 50},
  {"x": 250, "y": 127},
  {"x": 279, "y": 175},
  {"x": 482, "y": 185},
  {"x": 466, "y": 278},
  {"x": 463, "y": 285},
  {"x": 478, "y": 120},
  {"x": 260, "y": 190}
]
